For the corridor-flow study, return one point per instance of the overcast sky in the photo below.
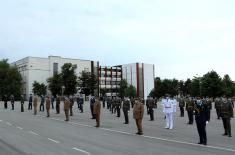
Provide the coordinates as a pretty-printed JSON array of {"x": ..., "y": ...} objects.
[{"x": 181, "y": 37}]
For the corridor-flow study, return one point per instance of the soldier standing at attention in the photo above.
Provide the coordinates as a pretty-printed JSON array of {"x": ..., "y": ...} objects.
[
  {"x": 201, "y": 118},
  {"x": 168, "y": 108},
  {"x": 181, "y": 105},
  {"x": 150, "y": 105},
  {"x": 22, "y": 103},
  {"x": 48, "y": 104},
  {"x": 5, "y": 101},
  {"x": 226, "y": 113},
  {"x": 97, "y": 107},
  {"x": 108, "y": 103},
  {"x": 217, "y": 107},
  {"x": 12, "y": 98},
  {"x": 112, "y": 105},
  {"x": 30, "y": 102},
  {"x": 57, "y": 105},
  {"x": 126, "y": 108},
  {"x": 138, "y": 113},
  {"x": 42, "y": 103},
  {"x": 52, "y": 101},
  {"x": 209, "y": 106},
  {"x": 71, "y": 105},
  {"x": 66, "y": 108},
  {"x": 92, "y": 102},
  {"x": 118, "y": 106},
  {"x": 190, "y": 108},
  {"x": 35, "y": 104},
  {"x": 81, "y": 102}
]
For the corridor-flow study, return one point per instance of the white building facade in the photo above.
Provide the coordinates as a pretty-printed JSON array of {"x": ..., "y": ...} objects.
[
  {"x": 40, "y": 69},
  {"x": 141, "y": 76}
]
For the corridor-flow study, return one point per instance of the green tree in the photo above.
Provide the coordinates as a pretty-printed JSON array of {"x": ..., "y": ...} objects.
[
  {"x": 10, "y": 79},
  {"x": 130, "y": 91},
  {"x": 103, "y": 91},
  {"x": 88, "y": 83},
  {"x": 55, "y": 84},
  {"x": 211, "y": 84},
  {"x": 156, "y": 92},
  {"x": 123, "y": 87},
  {"x": 187, "y": 86},
  {"x": 195, "y": 87},
  {"x": 228, "y": 87},
  {"x": 69, "y": 78},
  {"x": 39, "y": 88}
]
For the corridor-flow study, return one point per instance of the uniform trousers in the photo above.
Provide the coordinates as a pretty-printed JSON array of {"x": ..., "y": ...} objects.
[
  {"x": 125, "y": 112},
  {"x": 151, "y": 113},
  {"x": 201, "y": 128},
  {"x": 66, "y": 114},
  {"x": 169, "y": 120},
  {"x": 227, "y": 126},
  {"x": 190, "y": 117},
  {"x": 181, "y": 111},
  {"x": 139, "y": 125},
  {"x": 57, "y": 108}
]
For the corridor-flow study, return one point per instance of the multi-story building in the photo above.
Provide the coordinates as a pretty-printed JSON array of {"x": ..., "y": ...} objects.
[
  {"x": 109, "y": 79},
  {"x": 40, "y": 69},
  {"x": 140, "y": 75}
]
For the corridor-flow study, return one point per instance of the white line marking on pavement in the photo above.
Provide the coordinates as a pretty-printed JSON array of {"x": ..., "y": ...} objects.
[
  {"x": 57, "y": 142},
  {"x": 8, "y": 123},
  {"x": 18, "y": 127},
  {"x": 34, "y": 133},
  {"x": 56, "y": 119},
  {"x": 80, "y": 150},
  {"x": 157, "y": 138},
  {"x": 181, "y": 142}
]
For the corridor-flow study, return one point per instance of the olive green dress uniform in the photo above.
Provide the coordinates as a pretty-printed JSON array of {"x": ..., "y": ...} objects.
[
  {"x": 126, "y": 108},
  {"x": 190, "y": 108},
  {"x": 35, "y": 104},
  {"x": 181, "y": 106},
  {"x": 217, "y": 107},
  {"x": 66, "y": 108},
  {"x": 22, "y": 103},
  {"x": 118, "y": 106},
  {"x": 209, "y": 106},
  {"x": 112, "y": 105},
  {"x": 150, "y": 105},
  {"x": 108, "y": 103},
  {"x": 48, "y": 104},
  {"x": 97, "y": 107},
  {"x": 57, "y": 105},
  {"x": 226, "y": 113},
  {"x": 138, "y": 113}
]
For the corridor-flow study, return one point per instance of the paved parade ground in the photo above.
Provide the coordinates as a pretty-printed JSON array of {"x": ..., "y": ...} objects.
[{"x": 26, "y": 134}]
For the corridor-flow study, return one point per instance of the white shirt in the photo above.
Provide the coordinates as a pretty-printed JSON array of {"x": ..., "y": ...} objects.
[{"x": 168, "y": 105}]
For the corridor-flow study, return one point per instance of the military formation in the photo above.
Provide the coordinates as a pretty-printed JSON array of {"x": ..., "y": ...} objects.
[{"x": 198, "y": 109}]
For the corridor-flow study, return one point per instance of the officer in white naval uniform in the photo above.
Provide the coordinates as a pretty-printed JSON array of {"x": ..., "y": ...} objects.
[{"x": 168, "y": 108}]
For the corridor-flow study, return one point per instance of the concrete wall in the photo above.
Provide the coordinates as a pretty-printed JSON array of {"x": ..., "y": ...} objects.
[{"x": 40, "y": 69}]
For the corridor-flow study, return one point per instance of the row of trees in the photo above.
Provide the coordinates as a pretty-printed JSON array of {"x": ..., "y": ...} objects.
[
  {"x": 10, "y": 80},
  {"x": 210, "y": 84},
  {"x": 68, "y": 83}
]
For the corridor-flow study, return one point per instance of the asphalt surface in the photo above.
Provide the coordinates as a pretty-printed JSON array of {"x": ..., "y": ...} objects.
[{"x": 26, "y": 134}]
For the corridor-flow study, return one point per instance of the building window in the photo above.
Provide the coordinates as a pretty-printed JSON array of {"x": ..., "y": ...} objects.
[{"x": 55, "y": 68}]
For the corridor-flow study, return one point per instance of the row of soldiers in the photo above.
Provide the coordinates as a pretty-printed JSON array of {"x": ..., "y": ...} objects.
[{"x": 224, "y": 109}]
